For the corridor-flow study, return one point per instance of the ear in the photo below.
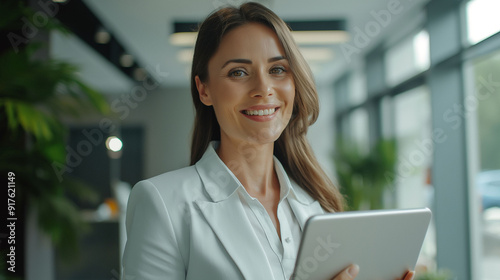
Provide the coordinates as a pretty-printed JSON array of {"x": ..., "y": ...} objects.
[{"x": 203, "y": 92}]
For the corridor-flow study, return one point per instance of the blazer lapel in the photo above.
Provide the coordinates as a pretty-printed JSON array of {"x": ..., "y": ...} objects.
[{"x": 226, "y": 218}]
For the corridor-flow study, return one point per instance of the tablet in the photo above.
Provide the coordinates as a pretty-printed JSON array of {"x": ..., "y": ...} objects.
[{"x": 384, "y": 243}]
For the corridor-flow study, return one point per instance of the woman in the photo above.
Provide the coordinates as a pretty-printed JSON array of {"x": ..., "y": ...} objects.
[{"x": 238, "y": 211}]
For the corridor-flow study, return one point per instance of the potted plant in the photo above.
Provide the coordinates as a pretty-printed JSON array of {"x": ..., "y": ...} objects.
[
  {"x": 363, "y": 176},
  {"x": 434, "y": 275},
  {"x": 35, "y": 96}
]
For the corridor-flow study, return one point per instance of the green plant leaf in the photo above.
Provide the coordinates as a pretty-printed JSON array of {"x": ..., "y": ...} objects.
[
  {"x": 434, "y": 275},
  {"x": 34, "y": 121},
  {"x": 35, "y": 96},
  {"x": 11, "y": 114},
  {"x": 362, "y": 176}
]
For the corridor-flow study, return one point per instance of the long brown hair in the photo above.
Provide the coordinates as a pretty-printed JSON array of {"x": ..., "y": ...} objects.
[{"x": 292, "y": 147}]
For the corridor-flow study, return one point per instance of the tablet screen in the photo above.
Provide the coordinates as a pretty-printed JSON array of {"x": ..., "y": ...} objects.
[{"x": 384, "y": 243}]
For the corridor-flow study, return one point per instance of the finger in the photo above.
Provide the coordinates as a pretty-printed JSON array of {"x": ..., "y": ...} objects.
[
  {"x": 349, "y": 273},
  {"x": 409, "y": 275}
]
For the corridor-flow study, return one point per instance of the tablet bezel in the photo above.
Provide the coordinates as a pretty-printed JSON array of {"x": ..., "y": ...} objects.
[{"x": 384, "y": 243}]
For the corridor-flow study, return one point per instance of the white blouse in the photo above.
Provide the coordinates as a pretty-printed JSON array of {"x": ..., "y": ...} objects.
[
  {"x": 199, "y": 222},
  {"x": 280, "y": 254}
]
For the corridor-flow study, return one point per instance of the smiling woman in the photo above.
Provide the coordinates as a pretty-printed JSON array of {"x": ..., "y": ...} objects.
[
  {"x": 278, "y": 48},
  {"x": 251, "y": 76},
  {"x": 239, "y": 210}
]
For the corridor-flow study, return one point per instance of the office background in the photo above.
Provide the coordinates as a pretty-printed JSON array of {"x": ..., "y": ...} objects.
[{"x": 423, "y": 73}]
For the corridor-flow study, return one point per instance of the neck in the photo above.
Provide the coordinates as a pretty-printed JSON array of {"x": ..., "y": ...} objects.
[{"x": 252, "y": 164}]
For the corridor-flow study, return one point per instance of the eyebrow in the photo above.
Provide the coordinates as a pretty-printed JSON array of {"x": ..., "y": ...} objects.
[{"x": 248, "y": 61}]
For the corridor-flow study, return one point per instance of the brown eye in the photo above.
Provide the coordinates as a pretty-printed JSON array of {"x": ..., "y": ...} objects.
[
  {"x": 277, "y": 70},
  {"x": 237, "y": 73}
]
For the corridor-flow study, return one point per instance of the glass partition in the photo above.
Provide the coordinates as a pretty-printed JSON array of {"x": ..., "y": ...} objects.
[{"x": 484, "y": 101}]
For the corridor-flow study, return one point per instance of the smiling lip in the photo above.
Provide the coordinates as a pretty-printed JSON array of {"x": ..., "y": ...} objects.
[{"x": 260, "y": 113}]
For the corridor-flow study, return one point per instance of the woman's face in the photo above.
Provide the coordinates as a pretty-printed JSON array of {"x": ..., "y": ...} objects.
[{"x": 250, "y": 85}]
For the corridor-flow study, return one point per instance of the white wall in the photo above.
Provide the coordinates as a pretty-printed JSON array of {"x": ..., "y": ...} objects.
[
  {"x": 321, "y": 134},
  {"x": 167, "y": 116}
]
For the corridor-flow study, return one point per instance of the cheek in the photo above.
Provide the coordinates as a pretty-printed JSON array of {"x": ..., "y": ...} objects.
[
  {"x": 225, "y": 98},
  {"x": 288, "y": 91},
  {"x": 226, "y": 91},
  {"x": 287, "y": 86},
  {"x": 289, "y": 100}
]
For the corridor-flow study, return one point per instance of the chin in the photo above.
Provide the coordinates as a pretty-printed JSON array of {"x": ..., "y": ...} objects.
[{"x": 268, "y": 135}]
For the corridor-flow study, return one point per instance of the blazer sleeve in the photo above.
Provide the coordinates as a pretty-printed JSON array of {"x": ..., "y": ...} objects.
[{"x": 152, "y": 250}]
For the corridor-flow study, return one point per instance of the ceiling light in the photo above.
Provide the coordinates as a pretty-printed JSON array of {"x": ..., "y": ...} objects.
[
  {"x": 102, "y": 36},
  {"x": 114, "y": 144},
  {"x": 95, "y": 34},
  {"x": 140, "y": 74},
  {"x": 126, "y": 60},
  {"x": 184, "y": 34},
  {"x": 188, "y": 39},
  {"x": 317, "y": 54},
  {"x": 317, "y": 32},
  {"x": 183, "y": 39},
  {"x": 320, "y": 37}
]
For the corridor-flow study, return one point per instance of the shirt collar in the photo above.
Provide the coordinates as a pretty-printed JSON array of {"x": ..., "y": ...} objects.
[
  {"x": 220, "y": 183},
  {"x": 292, "y": 188}
]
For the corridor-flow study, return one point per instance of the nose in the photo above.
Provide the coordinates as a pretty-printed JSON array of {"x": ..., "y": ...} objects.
[{"x": 262, "y": 86}]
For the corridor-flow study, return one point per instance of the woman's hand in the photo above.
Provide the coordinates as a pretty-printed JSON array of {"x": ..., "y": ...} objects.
[
  {"x": 352, "y": 271},
  {"x": 408, "y": 275},
  {"x": 349, "y": 273}
]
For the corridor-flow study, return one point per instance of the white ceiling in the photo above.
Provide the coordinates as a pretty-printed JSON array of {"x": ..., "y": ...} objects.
[{"x": 143, "y": 28}]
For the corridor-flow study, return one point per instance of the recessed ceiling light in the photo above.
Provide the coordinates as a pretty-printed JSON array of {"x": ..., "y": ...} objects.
[
  {"x": 317, "y": 54},
  {"x": 316, "y": 32},
  {"x": 102, "y": 36},
  {"x": 320, "y": 37},
  {"x": 188, "y": 39},
  {"x": 183, "y": 39},
  {"x": 140, "y": 74},
  {"x": 126, "y": 60}
]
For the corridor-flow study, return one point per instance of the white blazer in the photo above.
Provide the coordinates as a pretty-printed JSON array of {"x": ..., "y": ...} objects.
[{"x": 190, "y": 224}]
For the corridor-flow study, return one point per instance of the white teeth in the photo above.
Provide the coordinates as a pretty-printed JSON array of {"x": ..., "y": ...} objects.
[{"x": 260, "y": 112}]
